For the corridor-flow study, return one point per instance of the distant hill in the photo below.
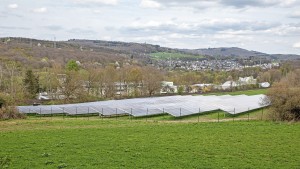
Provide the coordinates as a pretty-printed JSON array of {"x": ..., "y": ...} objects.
[
  {"x": 42, "y": 53},
  {"x": 236, "y": 52}
]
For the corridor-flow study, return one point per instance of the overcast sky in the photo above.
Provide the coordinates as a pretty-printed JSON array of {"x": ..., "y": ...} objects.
[{"x": 271, "y": 26}]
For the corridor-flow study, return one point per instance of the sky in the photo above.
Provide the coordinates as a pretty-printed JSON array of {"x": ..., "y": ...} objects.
[{"x": 270, "y": 26}]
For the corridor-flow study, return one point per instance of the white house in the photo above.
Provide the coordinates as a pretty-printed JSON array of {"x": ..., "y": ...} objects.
[
  {"x": 198, "y": 87},
  {"x": 264, "y": 85},
  {"x": 228, "y": 85},
  {"x": 247, "y": 80},
  {"x": 43, "y": 96}
]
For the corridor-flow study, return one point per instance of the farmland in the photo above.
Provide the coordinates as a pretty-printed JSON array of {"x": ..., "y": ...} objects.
[{"x": 140, "y": 143}]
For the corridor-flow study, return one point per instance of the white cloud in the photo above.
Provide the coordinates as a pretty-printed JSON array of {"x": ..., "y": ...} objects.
[
  {"x": 296, "y": 45},
  {"x": 40, "y": 10},
  {"x": 296, "y": 14},
  {"x": 150, "y": 4},
  {"x": 102, "y": 2},
  {"x": 284, "y": 30},
  {"x": 13, "y": 6}
]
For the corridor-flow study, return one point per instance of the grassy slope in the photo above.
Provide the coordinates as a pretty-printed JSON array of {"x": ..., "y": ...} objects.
[
  {"x": 166, "y": 55},
  {"x": 108, "y": 143}
]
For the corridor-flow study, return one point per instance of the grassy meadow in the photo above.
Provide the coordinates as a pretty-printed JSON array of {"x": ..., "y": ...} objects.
[
  {"x": 241, "y": 92},
  {"x": 173, "y": 55},
  {"x": 144, "y": 143}
]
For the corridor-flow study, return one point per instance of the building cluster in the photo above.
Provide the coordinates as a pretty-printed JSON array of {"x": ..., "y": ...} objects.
[{"x": 202, "y": 65}]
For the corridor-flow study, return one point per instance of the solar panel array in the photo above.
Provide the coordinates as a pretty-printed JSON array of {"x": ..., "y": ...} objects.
[{"x": 174, "y": 105}]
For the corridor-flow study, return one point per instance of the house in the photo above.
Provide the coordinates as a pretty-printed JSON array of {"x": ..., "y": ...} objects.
[
  {"x": 247, "y": 80},
  {"x": 196, "y": 88},
  {"x": 168, "y": 87},
  {"x": 228, "y": 85},
  {"x": 43, "y": 96},
  {"x": 264, "y": 85}
]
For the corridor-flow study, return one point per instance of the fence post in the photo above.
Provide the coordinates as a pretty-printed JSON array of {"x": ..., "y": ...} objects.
[
  {"x": 147, "y": 115},
  {"x": 51, "y": 113},
  {"x": 63, "y": 113},
  {"x": 116, "y": 113},
  {"x": 40, "y": 112},
  {"x": 102, "y": 113},
  {"x": 248, "y": 114},
  {"x": 199, "y": 115},
  {"x": 233, "y": 113},
  {"x": 29, "y": 111},
  {"x": 180, "y": 112},
  {"x": 131, "y": 114},
  {"x": 218, "y": 116},
  {"x": 88, "y": 113},
  {"x": 76, "y": 112}
]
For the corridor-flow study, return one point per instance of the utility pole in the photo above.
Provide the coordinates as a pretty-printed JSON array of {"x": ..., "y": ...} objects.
[
  {"x": 30, "y": 43},
  {"x": 54, "y": 43}
]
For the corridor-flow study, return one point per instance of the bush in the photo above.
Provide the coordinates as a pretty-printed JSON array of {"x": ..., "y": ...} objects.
[
  {"x": 284, "y": 98},
  {"x": 10, "y": 113},
  {"x": 180, "y": 90}
]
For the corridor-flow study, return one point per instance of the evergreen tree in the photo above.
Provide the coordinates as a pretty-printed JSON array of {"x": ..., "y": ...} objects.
[
  {"x": 31, "y": 83},
  {"x": 72, "y": 65}
]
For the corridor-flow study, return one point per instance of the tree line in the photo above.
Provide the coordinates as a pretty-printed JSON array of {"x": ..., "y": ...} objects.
[{"x": 86, "y": 82}]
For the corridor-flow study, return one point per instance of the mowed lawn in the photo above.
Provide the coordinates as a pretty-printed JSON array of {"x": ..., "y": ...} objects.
[{"x": 108, "y": 143}]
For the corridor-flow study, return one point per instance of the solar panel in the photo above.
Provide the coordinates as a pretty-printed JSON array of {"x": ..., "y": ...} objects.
[{"x": 174, "y": 105}]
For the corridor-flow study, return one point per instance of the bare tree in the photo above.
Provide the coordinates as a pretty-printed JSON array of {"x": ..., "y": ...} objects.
[{"x": 152, "y": 79}]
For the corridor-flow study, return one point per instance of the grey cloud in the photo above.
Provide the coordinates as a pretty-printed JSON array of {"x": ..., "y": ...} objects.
[
  {"x": 14, "y": 28},
  {"x": 81, "y": 31},
  {"x": 204, "y": 27},
  {"x": 295, "y": 15},
  {"x": 8, "y": 14},
  {"x": 54, "y": 27},
  {"x": 232, "y": 3},
  {"x": 245, "y": 3}
]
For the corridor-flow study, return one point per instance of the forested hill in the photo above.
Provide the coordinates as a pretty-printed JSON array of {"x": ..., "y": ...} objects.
[{"x": 41, "y": 53}]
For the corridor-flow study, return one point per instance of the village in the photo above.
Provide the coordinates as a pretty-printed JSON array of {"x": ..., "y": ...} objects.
[{"x": 214, "y": 65}]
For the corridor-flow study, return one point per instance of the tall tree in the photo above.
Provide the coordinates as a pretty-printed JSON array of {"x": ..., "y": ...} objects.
[{"x": 31, "y": 83}]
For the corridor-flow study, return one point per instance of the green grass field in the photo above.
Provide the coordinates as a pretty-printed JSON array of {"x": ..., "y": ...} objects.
[
  {"x": 123, "y": 143},
  {"x": 167, "y": 55},
  {"x": 245, "y": 92}
]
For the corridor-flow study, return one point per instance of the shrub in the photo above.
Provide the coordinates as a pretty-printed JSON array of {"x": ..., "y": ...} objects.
[
  {"x": 180, "y": 90},
  {"x": 10, "y": 113},
  {"x": 284, "y": 98}
]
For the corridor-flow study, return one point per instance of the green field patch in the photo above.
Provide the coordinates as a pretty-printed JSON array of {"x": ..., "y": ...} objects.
[
  {"x": 122, "y": 143},
  {"x": 245, "y": 92},
  {"x": 173, "y": 55}
]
